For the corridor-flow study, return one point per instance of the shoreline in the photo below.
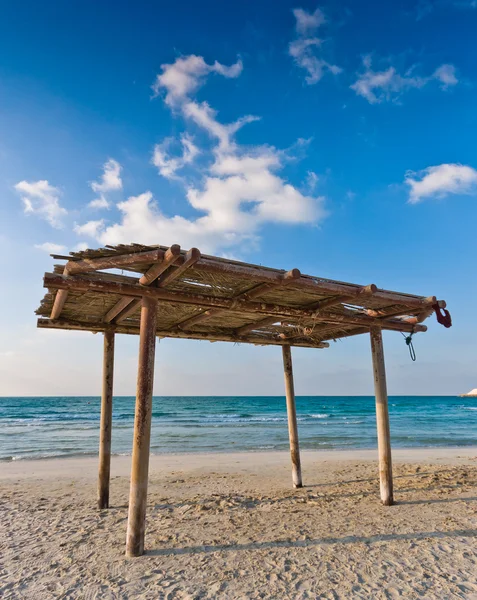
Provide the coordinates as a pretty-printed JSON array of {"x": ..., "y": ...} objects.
[{"x": 85, "y": 467}]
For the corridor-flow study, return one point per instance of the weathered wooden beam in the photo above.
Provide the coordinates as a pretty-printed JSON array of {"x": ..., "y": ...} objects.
[
  {"x": 58, "y": 304},
  {"x": 117, "y": 308},
  {"x": 142, "y": 430},
  {"x": 202, "y": 316},
  {"x": 292, "y": 422},
  {"x": 287, "y": 278},
  {"x": 193, "y": 335},
  {"x": 382, "y": 418},
  {"x": 128, "y": 311},
  {"x": 169, "y": 258},
  {"x": 116, "y": 261},
  {"x": 106, "y": 423},
  {"x": 107, "y": 262},
  {"x": 420, "y": 314},
  {"x": 190, "y": 259}
]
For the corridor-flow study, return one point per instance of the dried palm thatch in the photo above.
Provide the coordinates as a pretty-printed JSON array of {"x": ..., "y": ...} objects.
[{"x": 211, "y": 298}]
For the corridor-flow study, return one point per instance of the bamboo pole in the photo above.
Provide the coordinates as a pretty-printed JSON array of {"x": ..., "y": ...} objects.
[
  {"x": 382, "y": 418},
  {"x": 292, "y": 422},
  {"x": 142, "y": 430},
  {"x": 105, "y": 428}
]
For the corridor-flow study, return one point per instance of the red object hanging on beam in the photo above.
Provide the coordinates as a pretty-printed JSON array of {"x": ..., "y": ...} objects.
[{"x": 443, "y": 315}]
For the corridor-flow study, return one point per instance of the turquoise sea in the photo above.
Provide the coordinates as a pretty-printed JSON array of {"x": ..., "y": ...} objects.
[{"x": 67, "y": 426}]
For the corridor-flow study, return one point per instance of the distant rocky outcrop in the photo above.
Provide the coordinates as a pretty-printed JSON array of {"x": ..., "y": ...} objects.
[{"x": 471, "y": 393}]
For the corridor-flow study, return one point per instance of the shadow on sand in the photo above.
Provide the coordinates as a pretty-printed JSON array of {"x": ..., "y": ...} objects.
[{"x": 351, "y": 539}]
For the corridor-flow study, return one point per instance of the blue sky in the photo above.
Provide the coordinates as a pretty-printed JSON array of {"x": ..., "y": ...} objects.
[{"x": 339, "y": 139}]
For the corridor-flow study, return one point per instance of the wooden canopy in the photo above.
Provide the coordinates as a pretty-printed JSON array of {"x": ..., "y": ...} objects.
[
  {"x": 173, "y": 293},
  {"x": 209, "y": 298}
]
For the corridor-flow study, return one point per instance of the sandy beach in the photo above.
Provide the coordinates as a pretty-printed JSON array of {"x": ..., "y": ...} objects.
[{"x": 231, "y": 526}]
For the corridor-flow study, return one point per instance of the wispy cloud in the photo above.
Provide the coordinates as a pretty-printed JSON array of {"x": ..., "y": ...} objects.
[
  {"x": 441, "y": 180},
  {"x": 446, "y": 74},
  {"x": 50, "y": 247},
  {"x": 42, "y": 199},
  {"x": 167, "y": 164},
  {"x": 240, "y": 188},
  {"x": 389, "y": 85},
  {"x": 306, "y": 48},
  {"x": 110, "y": 181},
  {"x": 424, "y": 8},
  {"x": 183, "y": 77}
]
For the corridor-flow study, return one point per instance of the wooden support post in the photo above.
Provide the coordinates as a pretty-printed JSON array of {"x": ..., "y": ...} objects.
[
  {"x": 382, "y": 418},
  {"x": 106, "y": 421},
  {"x": 292, "y": 423},
  {"x": 142, "y": 430}
]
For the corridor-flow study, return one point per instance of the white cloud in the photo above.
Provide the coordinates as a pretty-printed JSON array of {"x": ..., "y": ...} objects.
[
  {"x": 90, "y": 229},
  {"x": 308, "y": 22},
  {"x": 304, "y": 50},
  {"x": 110, "y": 179},
  {"x": 239, "y": 189},
  {"x": 426, "y": 7},
  {"x": 169, "y": 165},
  {"x": 312, "y": 180},
  {"x": 377, "y": 86},
  {"x": 50, "y": 247},
  {"x": 42, "y": 199},
  {"x": 80, "y": 246},
  {"x": 187, "y": 74},
  {"x": 99, "y": 203},
  {"x": 446, "y": 75},
  {"x": 440, "y": 181}
]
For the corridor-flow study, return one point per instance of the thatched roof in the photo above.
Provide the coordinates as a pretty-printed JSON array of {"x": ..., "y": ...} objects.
[{"x": 210, "y": 298}]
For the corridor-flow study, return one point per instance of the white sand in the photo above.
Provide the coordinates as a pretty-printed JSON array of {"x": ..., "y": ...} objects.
[{"x": 230, "y": 526}]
